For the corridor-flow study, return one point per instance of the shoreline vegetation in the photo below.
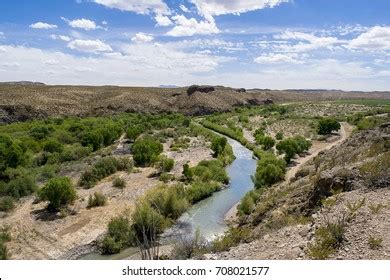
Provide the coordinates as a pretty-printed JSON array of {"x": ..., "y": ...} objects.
[{"x": 56, "y": 158}]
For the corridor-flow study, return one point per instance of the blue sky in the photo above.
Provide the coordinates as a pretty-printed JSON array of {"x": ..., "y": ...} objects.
[{"x": 276, "y": 44}]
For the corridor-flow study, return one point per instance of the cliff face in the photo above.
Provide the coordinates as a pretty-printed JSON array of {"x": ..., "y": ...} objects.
[
  {"x": 27, "y": 101},
  {"x": 336, "y": 207}
]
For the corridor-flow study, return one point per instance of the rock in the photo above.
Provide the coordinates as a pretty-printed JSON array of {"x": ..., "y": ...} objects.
[
  {"x": 268, "y": 101},
  {"x": 194, "y": 88},
  {"x": 241, "y": 90},
  {"x": 304, "y": 231}
]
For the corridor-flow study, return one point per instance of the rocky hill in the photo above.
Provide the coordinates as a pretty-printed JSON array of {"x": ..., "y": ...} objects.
[
  {"x": 336, "y": 207},
  {"x": 26, "y": 100}
]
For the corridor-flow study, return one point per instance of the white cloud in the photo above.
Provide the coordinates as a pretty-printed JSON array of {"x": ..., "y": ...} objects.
[
  {"x": 91, "y": 46},
  {"x": 60, "y": 37},
  {"x": 272, "y": 58},
  {"x": 2, "y": 50},
  {"x": 184, "y": 8},
  {"x": 307, "y": 42},
  {"x": 142, "y": 38},
  {"x": 82, "y": 23},
  {"x": 137, "y": 6},
  {"x": 376, "y": 38},
  {"x": 104, "y": 22},
  {"x": 190, "y": 27},
  {"x": 209, "y": 8},
  {"x": 52, "y": 62},
  {"x": 10, "y": 64},
  {"x": 163, "y": 20},
  {"x": 43, "y": 25}
]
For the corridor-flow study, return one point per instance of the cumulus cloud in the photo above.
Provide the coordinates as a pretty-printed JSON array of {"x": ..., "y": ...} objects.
[
  {"x": 376, "y": 38},
  {"x": 163, "y": 20},
  {"x": 272, "y": 58},
  {"x": 82, "y": 23},
  {"x": 43, "y": 25},
  {"x": 142, "y": 38},
  {"x": 91, "y": 46},
  {"x": 209, "y": 8},
  {"x": 191, "y": 26},
  {"x": 137, "y": 6}
]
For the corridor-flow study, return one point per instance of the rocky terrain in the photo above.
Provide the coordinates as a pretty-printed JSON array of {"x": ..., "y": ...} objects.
[
  {"x": 27, "y": 100},
  {"x": 337, "y": 206}
]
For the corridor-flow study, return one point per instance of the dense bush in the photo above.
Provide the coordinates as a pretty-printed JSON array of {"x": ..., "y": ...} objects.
[
  {"x": 198, "y": 190},
  {"x": 266, "y": 142},
  {"x": 279, "y": 136},
  {"x": 247, "y": 203},
  {"x": 119, "y": 235},
  {"x": 4, "y": 238},
  {"x": 18, "y": 187},
  {"x": 146, "y": 151},
  {"x": 53, "y": 146},
  {"x": 104, "y": 168},
  {"x": 11, "y": 153},
  {"x": 293, "y": 146},
  {"x": 7, "y": 203},
  {"x": 134, "y": 131},
  {"x": 327, "y": 125},
  {"x": 232, "y": 238},
  {"x": 93, "y": 139},
  {"x": 270, "y": 170},
  {"x": 218, "y": 146},
  {"x": 96, "y": 200},
  {"x": 59, "y": 192},
  {"x": 41, "y": 132},
  {"x": 210, "y": 170},
  {"x": 166, "y": 177}
]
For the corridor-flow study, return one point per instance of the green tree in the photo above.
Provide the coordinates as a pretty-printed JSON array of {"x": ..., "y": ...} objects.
[
  {"x": 165, "y": 164},
  {"x": 288, "y": 147},
  {"x": 11, "y": 153},
  {"x": 327, "y": 125},
  {"x": 59, "y": 192},
  {"x": 266, "y": 141},
  {"x": 270, "y": 170},
  {"x": 218, "y": 146},
  {"x": 41, "y": 132},
  {"x": 146, "y": 151}
]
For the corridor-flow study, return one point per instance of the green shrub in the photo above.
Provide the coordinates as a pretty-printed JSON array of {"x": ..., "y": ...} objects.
[
  {"x": 375, "y": 243},
  {"x": 166, "y": 177},
  {"x": 201, "y": 190},
  {"x": 21, "y": 186},
  {"x": 119, "y": 183},
  {"x": 266, "y": 142},
  {"x": 93, "y": 139},
  {"x": 119, "y": 236},
  {"x": 165, "y": 164},
  {"x": 269, "y": 171},
  {"x": 59, "y": 192},
  {"x": 102, "y": 169},
  {"x": 96, "y": 200},
  {"x": 53, "y": 146},
  {"x": 212, "y": 170},
  {"x": 231, "y": 238},
  {"x": 328, "y": 239},
  {"x": 327, "y": 125},
  {"x": 4, "y": 255},
  {"x": 279, "y": 136},
  {"x": 7, "y": 203},
  {"x": 187, "y": 172},
  {"x": 11, "y": 153},
  {"x": 293, "y": 146},
  {"x": 146, "y": 151},
  {"x": 41, "y": 132},
  {"x": 247, "y": 203},
  {"x": 134, "y": 131},
  {"x": 218, "y": 146}
]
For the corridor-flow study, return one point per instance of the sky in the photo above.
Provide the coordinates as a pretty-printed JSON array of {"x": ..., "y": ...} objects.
[{"x": 275, "y": 44}]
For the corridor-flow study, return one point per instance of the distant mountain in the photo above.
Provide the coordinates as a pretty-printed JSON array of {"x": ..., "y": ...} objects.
[
  {"x": 24, "y": 83},
  {"x": 168, "y": 86}
]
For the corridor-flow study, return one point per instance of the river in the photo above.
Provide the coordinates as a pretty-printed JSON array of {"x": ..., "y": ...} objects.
[{"x": 207, "y": 216}]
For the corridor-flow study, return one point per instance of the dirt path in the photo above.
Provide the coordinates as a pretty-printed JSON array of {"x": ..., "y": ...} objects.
[{"x": 345, "y": 132}]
